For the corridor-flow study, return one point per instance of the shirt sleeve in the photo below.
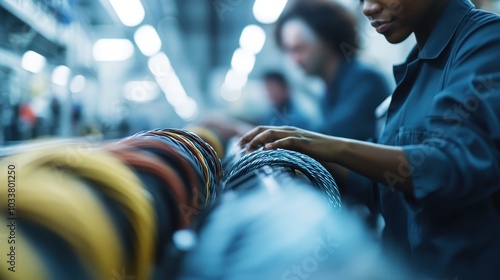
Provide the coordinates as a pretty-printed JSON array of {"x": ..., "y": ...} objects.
[
  {"x": 361, "y": 190},
  {"x": 354, "y": 115},
  {"x": 459, "y": 162}
]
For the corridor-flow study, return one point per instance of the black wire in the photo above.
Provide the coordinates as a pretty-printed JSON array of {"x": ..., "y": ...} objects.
[{"x": 312, "y": 169}]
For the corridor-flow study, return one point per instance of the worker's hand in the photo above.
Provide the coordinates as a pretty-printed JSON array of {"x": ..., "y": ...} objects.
[{"x": 313, "y": 144}]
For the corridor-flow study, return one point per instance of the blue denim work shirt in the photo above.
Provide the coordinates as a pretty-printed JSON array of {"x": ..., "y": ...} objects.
[
  {"x": 348, "y": 108},
  {"x": 445, "y": 114}
]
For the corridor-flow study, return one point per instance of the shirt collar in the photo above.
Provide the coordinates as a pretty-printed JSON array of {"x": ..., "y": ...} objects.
[{"x": 445, "y": 28}]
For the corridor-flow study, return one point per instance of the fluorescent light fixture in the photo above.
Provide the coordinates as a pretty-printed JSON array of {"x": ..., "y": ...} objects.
[
  {"x": 229, "y": 94},
  {"x": 60, "y": 75},
  {"x": 147, "y": 40},
  {"x": 113, "y": 50},
  {"x": 159, "y": 65},
  {"x": 167, "y": 79},
  {"x": 77, "y": 84},
  {"x": 130, "y": 12},
  {"x": 188, "y": 109},
  {"x": 174, "y": 91},
  {"x": 268, "y": 11},
  {"x": 243, "y": 61},
  {"x": 141, "y": 91},
  {"x": 253, "y": 38},
  {"x": 235, "y": 80},
  {"x": 33, "y": 62},
  {"x": 185, "y": 106}
]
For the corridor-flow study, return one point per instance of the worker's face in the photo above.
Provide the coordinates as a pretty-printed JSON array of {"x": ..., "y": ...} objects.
[
  {"x": 396, "y": 19},
  {"x": 303, "y": 46},
  {"x": 277, "y": 92}
]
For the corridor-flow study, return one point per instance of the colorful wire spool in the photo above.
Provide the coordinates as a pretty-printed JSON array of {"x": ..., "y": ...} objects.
[
  {"x": 28, "y": 264},
  {"x": 174, "y": 158},
  {"x": 60, "y": 202},
  {"x": 114, "y": 180},
  {"x": 203, "y": 153},
  {"x": 150, "y": 163}
]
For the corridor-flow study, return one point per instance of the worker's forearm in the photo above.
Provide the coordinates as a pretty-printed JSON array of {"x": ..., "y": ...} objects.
[{"x": 378, "y": 162}]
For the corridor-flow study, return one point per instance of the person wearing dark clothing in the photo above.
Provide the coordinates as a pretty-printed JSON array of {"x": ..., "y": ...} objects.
[
  {"x": 320, "y": 36},
  {"x": 435, "y": 172},
  {"x": 283, "y": 111},
  {"x": 351, "y": 99}
]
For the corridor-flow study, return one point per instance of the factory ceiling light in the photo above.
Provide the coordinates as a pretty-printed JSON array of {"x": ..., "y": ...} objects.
[
  {"x": 243, "y": 61},
  {"x": 188, "y": 109},
  {"x": 141, "y": 91},
  {"x": 33, "y": 62},
  {"x": 113, "y": 50},
  {"x": 130, "y": 12},
  {"x": 77, "y": 84},
  {"x": 60, "y": 75},
  {"x": 268, "y": 11},
  {"x": 159, "y": 64},
  {"x": 253, "y": 38},
  {"x": 147, "y": 40},
  {"x": 235, "y": 80},
  {"x": 185, "y": 106}
]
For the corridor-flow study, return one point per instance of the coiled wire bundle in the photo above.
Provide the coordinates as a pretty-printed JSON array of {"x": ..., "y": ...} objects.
[
  {"x": 110, "y": 208},
  {"x": 179, "y": 179},
  {"x": 267, "y": 220},
  {"x": 201, "y": 155},
  {"x": 64, "y": 191},
  {"x": 313, "y": 170}
]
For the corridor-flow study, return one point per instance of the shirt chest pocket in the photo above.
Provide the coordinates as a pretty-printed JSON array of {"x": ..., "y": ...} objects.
[{"x": 411, "y": 135}]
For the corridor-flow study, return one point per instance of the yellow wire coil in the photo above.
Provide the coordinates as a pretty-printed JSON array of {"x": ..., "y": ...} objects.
[
  {"x": 113, "y": 179},
  {"x": 28, "y": 263},
  {"x": 64, "y": 205}
]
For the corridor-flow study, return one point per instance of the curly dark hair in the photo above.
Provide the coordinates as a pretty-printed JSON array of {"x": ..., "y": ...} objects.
[{"x": 332, "y": 22}]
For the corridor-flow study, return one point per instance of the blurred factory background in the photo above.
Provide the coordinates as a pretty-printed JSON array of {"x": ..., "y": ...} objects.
[{"x": 114, "y": 67}]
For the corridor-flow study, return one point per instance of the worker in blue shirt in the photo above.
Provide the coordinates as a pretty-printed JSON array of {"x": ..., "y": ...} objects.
[
  {"x": 435, "y": 172},
  {"x": 321, "y": 37},
  {"x": 284, "y": 111}
]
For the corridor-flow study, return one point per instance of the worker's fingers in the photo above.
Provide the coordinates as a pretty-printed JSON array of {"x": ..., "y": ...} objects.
[
  {"x": 317, "y": 146},
  {"x": 288, "y": 143},
  {"x": 267, "y": 136},
  {"x": 250, "y": 135},
  {"x": 264, "y": 137},
  {"x": 271, "y": 135}
]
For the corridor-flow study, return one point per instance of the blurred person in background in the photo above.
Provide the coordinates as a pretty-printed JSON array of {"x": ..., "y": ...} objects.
[
  {"x": 13, "y": 131},
  {"x": 284, "y": 110},
  {"x": 321, "y": 37},
  {"x": 27, "y": 120}
]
